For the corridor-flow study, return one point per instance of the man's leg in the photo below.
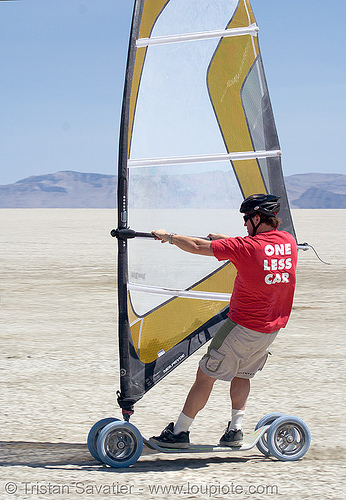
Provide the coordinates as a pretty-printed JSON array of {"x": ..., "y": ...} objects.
[
  {"x": 177, "y": 436},
  {"x": 202, "y": 387},
  {"x": 195, "y": 401},
  {"x": 199, "y": 394},
  {"x": 240, "y": 389}
]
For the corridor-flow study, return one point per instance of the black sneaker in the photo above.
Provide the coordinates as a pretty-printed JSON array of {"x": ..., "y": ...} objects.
[
  {"x": 169, "y": 440},
  {"x": 233, "y": 438}
]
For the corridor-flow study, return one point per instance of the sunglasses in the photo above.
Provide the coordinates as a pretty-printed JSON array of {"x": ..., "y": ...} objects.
[{"x": 247, "y": 217}]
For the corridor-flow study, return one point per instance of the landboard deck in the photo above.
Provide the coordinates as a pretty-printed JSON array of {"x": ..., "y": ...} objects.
[{"x": 249, "y": 443}]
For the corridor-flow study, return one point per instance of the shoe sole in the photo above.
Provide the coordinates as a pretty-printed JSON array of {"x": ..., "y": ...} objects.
[
  {"x": 170, "y": 445},
  {"x": 234, "y": 444}
]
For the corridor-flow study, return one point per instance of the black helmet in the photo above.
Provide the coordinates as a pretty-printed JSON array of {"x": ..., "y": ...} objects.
[{"x": 266, "y": 204}]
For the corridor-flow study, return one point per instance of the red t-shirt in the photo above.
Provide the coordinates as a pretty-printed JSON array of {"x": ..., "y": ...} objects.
[{"x": 264, "y": 286}]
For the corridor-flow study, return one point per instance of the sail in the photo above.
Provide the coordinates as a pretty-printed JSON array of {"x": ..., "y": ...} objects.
[{"x": 197, "y": 136}]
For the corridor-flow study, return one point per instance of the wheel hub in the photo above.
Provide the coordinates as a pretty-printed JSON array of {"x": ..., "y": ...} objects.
[{"x": 120, "y": 445}]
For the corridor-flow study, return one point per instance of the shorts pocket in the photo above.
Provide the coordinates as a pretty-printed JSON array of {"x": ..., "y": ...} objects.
[{"x": 214, "y": 361}]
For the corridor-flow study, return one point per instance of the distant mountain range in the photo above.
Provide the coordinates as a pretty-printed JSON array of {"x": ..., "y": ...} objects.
[
  {"x": 316, "y": 190},
  {"x": 65, "y": 189},
  {"x": 69, "y": 189}
]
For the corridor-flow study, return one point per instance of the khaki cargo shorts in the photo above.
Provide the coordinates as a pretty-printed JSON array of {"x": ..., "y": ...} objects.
[{"x": 236, "y": 351}]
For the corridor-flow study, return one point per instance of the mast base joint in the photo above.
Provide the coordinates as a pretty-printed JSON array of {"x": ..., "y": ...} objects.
[{"x": 127, "y": 407}]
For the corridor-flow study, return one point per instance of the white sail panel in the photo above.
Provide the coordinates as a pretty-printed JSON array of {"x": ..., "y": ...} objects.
[
  {"x": 174, "y": 115},
  {"x": 193, "y": 16},
  {"x": 161, "y": 265}
]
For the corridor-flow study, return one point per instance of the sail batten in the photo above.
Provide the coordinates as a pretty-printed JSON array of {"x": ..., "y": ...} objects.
[
  {"x": 175, "y": 160},
  {"x": 180, "y": 293},
  {"x": 204, "y": 35}
]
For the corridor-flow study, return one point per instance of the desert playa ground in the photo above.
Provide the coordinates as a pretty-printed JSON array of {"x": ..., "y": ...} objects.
[{"x": 59, "y": 372}]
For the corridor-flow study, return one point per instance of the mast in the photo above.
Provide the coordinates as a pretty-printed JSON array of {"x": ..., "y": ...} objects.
[{"x": 124, "y": 327}]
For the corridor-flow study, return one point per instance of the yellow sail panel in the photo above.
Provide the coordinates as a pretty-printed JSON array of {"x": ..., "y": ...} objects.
[
  {"x": 151, "y": 11},
  {"x": 243, "y": 16},
  {"x": 137, "y": 72},
  {"x": 135, "y": 333},
  {"x": 219, "y": 282},
  {"x": 131, "y": 314},
  {"x": 249, "y": 177},
  {"x": 165, "y": 327},
  {"x": 228, "y": 70}
]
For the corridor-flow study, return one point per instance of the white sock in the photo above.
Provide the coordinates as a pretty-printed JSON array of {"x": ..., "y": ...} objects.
[
  {"x": 183, "y": 423},
  {"x": 236, "y": 419}
]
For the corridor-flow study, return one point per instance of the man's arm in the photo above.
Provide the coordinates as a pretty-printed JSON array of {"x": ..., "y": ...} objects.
[
  {"x": 186, "y": 243},
  {"x": 217, "y": 236}
]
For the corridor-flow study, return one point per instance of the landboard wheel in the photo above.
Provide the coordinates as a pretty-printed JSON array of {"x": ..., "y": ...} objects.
[
  {"x": 268, "y": 419},
  {"x": 120, "y": 444},
  {"x": 94, "y": 434},
  {"x": 288, "y": 438}
]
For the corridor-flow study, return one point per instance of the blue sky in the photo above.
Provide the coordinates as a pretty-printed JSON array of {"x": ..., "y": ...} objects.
[{"x": 62, "y": 66}]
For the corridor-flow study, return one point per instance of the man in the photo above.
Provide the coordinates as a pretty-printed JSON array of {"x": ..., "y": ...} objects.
[{"x": 260, "y": 305}]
